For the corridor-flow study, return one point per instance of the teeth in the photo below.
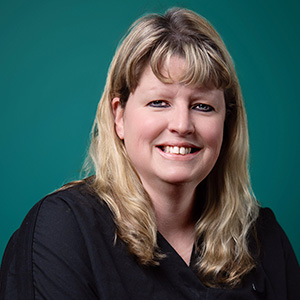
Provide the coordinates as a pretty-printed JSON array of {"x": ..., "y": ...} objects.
[
  {"x": 177, "y": 150},
  {"x": 182, "y": 150}
]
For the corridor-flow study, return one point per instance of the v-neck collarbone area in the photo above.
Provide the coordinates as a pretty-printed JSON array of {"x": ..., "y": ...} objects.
[
  {"x": 191, "y": 253},
  {"x": 174, "y": 262},
  {"x": 176, "y": 272}
]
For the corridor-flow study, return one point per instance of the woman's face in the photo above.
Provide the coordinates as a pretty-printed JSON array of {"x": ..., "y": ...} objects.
[{"x": 172, "y": 132}]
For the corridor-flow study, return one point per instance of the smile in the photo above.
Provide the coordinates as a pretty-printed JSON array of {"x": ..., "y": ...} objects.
[{"x": 178, "y": 150}]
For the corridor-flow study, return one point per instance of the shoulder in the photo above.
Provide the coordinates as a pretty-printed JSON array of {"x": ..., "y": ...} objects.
[
  {"x": 64, "y": 207},
  {"x": 271, "y": 233},
  {"x": 266, "y": 215},
  {"x": 267, "y": 225},
  {"x": 77, "y": 197},
  {"x": 69, "y": 214},
  {"x": 277, "y": 260},
  {"x": 54, "y": 241},
  {"x": 73, "y": 212},
  {"x": 73, "y": 206},
  {"x": 271, "y": 236},
  {"x": 77, "y": 201},
  {"x": 72, "y": 195}
]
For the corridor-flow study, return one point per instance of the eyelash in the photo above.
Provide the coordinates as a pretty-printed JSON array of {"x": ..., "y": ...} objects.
[
  {"x": 164, "y": 104},
  {"x": 159, "y": 104},
  {"x": 204, "y": 107}
]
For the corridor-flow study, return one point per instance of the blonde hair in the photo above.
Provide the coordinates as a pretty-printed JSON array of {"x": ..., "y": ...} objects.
[{"x": 230, "y": 209}]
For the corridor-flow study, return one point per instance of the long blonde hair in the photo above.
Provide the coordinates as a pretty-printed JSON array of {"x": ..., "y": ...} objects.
[{"x": 230, "y": 209}]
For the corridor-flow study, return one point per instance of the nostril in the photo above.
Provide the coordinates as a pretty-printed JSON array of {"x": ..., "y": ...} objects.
[{"x": 182, "y": 128}]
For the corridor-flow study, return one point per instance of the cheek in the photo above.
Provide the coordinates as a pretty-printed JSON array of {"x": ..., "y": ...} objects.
[
  {"x": 212, "y": 134},
  {"x": 139, "y": 128}
]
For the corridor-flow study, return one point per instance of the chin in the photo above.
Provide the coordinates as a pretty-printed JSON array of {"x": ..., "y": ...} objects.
[
  {"x": 183, "y": 176},
  {"x": 180, "y": 180}
]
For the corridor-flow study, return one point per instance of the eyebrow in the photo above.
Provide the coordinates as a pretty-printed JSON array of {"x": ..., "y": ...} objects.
[{"x": 166, "y": 92}]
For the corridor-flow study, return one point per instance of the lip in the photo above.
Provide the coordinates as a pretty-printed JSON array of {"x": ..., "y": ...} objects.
[
  {"x": 179, "y": 157},
  {"x": 182, "y": 144}
]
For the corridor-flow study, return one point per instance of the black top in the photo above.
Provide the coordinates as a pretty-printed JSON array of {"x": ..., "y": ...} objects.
[{"x": 65, "y": 250}]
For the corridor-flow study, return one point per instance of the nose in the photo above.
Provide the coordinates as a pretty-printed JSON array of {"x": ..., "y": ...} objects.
[{"x": 180, "y": 121}]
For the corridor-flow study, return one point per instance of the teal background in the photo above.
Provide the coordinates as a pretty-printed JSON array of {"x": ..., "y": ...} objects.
[{"x": 54, "y": 57}]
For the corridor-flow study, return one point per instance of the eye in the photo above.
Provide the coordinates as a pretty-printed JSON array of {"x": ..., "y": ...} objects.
[
  {"x": 158, "y": 103},
  {"x": 203, "y": 107}
]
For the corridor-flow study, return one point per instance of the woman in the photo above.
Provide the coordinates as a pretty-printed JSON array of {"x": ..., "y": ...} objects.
[{"x": 169, "y": 213}]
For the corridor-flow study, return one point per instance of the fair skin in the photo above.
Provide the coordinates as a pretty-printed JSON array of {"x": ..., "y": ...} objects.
[{"x": 173, "y": 135}]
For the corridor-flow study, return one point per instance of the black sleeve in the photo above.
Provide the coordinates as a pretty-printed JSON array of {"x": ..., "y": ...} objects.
[
  {"x": 292, "y": 268},
  {"x": 279, "y": 259},
  {"x": 47, "y": 257}
]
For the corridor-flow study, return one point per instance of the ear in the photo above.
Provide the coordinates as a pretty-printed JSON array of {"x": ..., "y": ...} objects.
[{"x": 118, "y": 111}]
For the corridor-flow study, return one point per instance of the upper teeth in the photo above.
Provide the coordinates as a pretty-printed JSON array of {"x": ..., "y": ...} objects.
[{"x": 177, "y": 150}]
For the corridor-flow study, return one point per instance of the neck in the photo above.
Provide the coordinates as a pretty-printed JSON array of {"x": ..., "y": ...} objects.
[
  {"x": 175, "y": 215},
  {"x": 174, "y": 207}
]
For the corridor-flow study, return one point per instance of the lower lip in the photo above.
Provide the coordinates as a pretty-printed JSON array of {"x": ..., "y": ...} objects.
[{"x": 178, "y": 157}]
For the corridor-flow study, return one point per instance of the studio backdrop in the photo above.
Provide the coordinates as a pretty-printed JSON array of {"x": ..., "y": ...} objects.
[{"x": 54, "y": 57}]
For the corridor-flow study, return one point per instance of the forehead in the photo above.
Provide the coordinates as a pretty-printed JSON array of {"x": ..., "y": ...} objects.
[
  {"x": 171, "y": 70},
  {"x": 174, "y": 68},
  {"x": 150, "y": 86}
]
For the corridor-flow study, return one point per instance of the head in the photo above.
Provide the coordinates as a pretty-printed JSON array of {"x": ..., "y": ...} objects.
[{"x": 153, "y": 40}]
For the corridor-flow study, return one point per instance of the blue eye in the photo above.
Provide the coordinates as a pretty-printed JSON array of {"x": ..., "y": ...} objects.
[
  {"x": 203, "y": 107},
  {"x": 158, "y": 103}
]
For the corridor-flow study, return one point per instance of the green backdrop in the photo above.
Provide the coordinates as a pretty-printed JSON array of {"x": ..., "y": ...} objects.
[{"x": 54, "y": 57}]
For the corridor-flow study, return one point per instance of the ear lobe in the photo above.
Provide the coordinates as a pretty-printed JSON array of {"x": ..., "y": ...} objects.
[{"x": 118, "y": 114}]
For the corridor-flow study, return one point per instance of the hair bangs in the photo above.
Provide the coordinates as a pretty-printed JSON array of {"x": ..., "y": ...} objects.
[{"x": 204, "y": 66}]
